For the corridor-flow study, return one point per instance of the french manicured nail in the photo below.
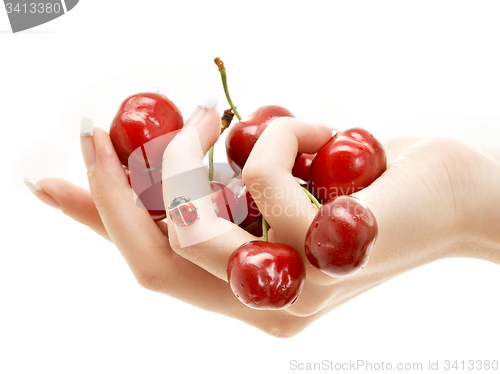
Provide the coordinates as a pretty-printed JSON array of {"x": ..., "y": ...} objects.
[
  {"x": 201, "y": 109},
  {"x": 46, "y": 198},
  {"x": 31, "y": 186},
  {"x": 209, "y": 103},
  {"x": 87, "y": 143},
  {"x": 332, "y": 127}
]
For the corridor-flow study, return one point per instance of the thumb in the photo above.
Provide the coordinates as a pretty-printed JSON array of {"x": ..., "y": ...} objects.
[{"x": 414, "y": 208}]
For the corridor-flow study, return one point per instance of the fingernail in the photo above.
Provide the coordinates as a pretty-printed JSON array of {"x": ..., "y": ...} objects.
[
  {"x": 201, "y": 109},
  {"x": 210, "y": 103},
  {"x": 46, "y": 198},
  {"x": 86, "y": 126},
  {"x": 332, "y": 127},
  {"x": 34, "y": 189},
  {"x": 87, "y": 143}
]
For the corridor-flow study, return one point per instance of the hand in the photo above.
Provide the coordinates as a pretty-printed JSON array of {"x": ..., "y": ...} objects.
[{"x": 436, "y": 199}]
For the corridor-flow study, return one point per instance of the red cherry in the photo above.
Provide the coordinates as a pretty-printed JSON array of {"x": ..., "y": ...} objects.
[
  {"x": 247, "y": 213},
  {"x": 243, "y": 135},
  {"x": 141, "y": 118},
  {"x": 266, "y": 275},
  {"x": 341, "y": 236},
  {"x": 302, "y": 165},
  {"x": 147, "y": 185},
  {"x": 224, "y": 201},
  {"x": 236, "y": 185},
  {"x": 350, "y": 161}
]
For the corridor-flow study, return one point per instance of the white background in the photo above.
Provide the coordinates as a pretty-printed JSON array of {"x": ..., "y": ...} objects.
[{"x": 69, "y": 304}]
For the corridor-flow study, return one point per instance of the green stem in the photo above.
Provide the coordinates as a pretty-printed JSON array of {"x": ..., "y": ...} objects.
[
  {"x": 211, "y": 164},
  {"x": 222, "y": 70},
  {"x": 264, "y": 229},
  {"x": 312, "y": 198}
]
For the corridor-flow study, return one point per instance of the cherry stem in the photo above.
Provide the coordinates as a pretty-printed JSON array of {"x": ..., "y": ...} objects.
[
  {"x": 222, "y": 70},
  {"x": 312, "y": 198},
  {"x": 264, "y": 229},
  {"x": 226, "y": 120},
  {"x": 211, "y": 164}
]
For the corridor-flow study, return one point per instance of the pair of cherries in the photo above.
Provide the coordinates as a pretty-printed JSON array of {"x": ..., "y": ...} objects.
[
  {"x": 140, "y": 132},
  {"x": 267, "y": 275}
]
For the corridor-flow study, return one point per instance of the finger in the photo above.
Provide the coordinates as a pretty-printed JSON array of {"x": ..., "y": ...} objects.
[
  {"x": 182, "y": 279},
  {"x": 187, "y": 282},
  {"x": 74, "y": 201},
  {"x": 209, "y": 241},
  {"x": 267, "y": 175},
  {"x": 140, "y": 241},
  {"x": 147, "y": 251},
  {"x": 177, "y": 276}
]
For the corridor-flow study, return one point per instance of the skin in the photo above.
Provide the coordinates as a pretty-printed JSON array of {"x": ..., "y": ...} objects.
[{"x": 438, "y": 199}]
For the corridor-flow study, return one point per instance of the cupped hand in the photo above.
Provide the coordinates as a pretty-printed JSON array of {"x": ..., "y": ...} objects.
[
  {"x": 436, "y": 199},
  {"x": 423, "y": 204}
]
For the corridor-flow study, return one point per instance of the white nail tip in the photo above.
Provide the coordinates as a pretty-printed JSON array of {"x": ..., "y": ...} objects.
[
  {"x": 332, "y": 127},
  {"x": 31, "y": 186},
  {"x": 86, "y": 127},
  {"x": 210, "y": 103}
]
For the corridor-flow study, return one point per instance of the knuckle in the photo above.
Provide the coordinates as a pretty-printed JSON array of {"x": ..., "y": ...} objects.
[
  {"x": 254, "y": 174},
  {"x": 285, "y": 327},
  {"x": 150, "y": 282},
  {"x": 103, "y": 191},
  {"x": 280, "y": 122},
  {"x": 175, "y": 244},
  {"x": 101, "y": 201},
  {"x": 277, "y": 330},
  {"x": 170, "y": 151},
  {"x": 192, "y": 253}
]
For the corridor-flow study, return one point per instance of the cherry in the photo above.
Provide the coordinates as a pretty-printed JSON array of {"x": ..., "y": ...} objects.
[
  {"x": 248, "y": 214},
  {"x": 236, "y": 185},
  {"x": 141, "y": 118},
  {"x": 350, "y": 161},
  {"x": 147, "y": 185},
  {"x": 266, "y": 275},
  {"x": 243, "y": 135},
  {"x": 224, "y": 201},
  {"x": 302, "y": 165},
  {"x": 341, "y": 236}
]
